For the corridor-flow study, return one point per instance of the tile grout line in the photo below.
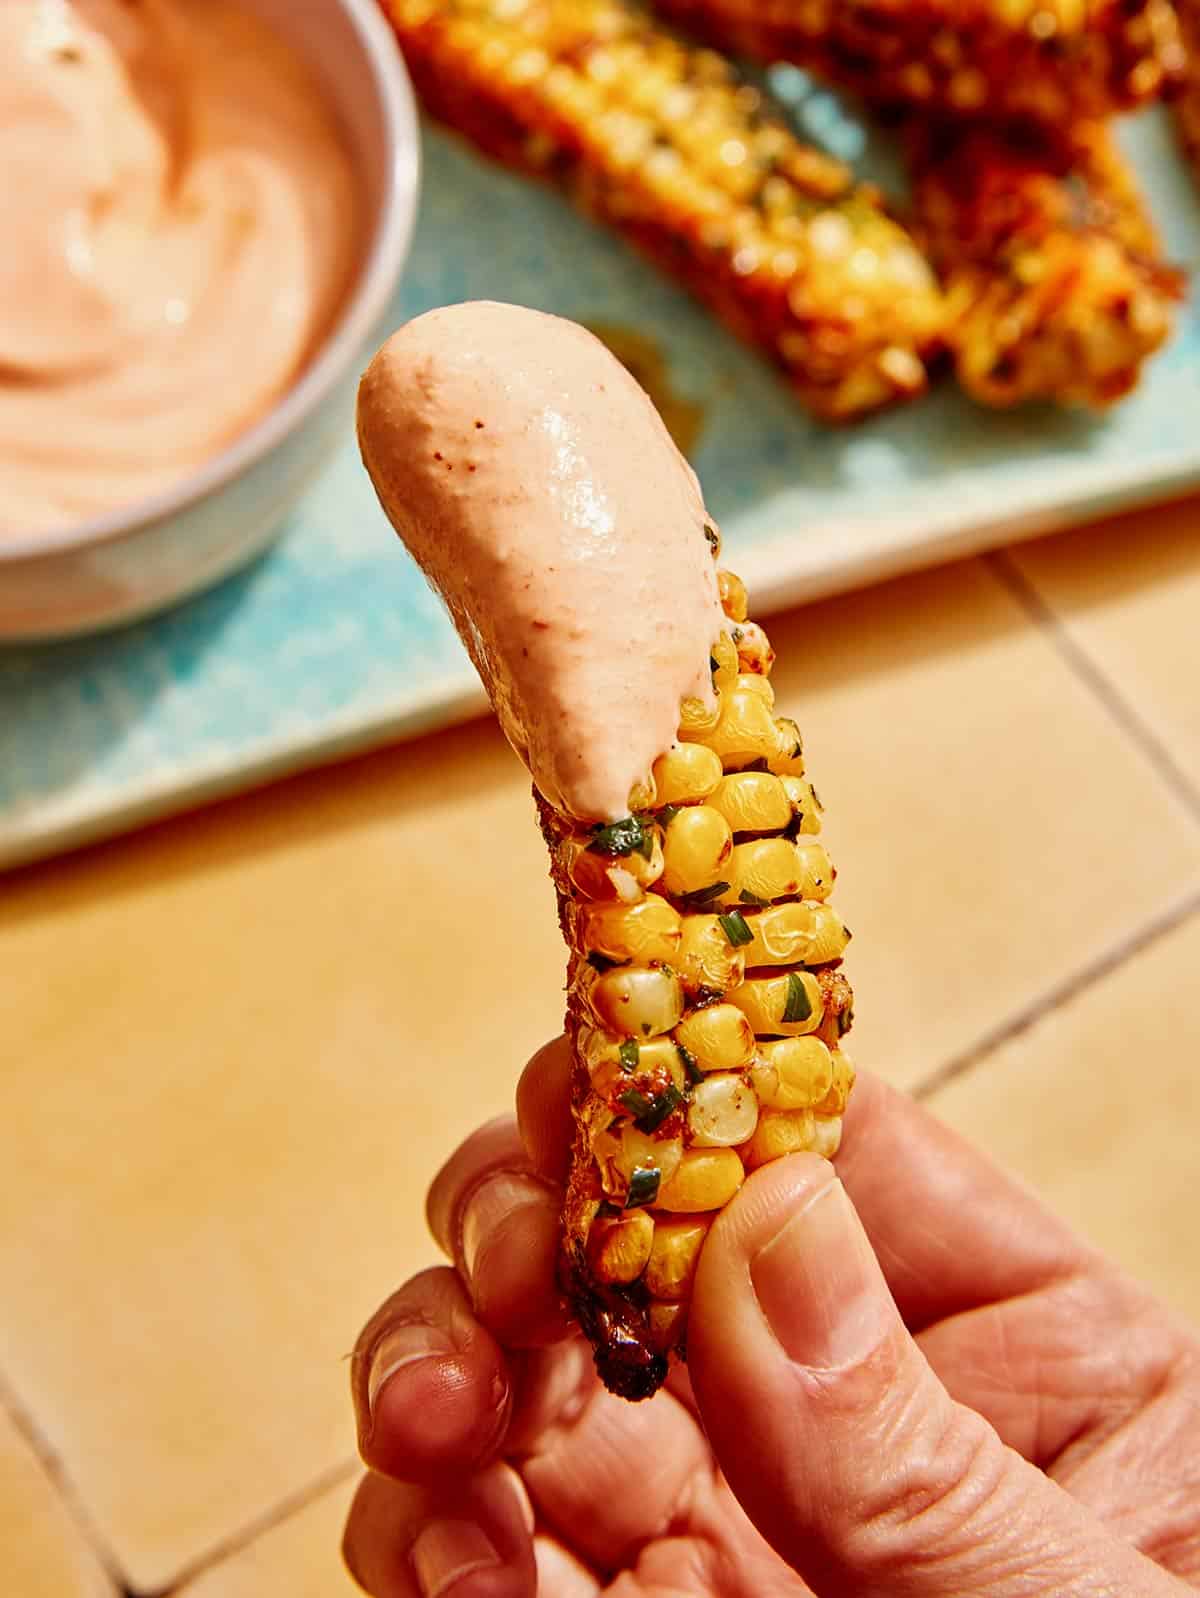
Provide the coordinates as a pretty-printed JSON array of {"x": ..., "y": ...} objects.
[
  {"x": 1085, "y": 668},
  {"x": 1071, "y": 986}
]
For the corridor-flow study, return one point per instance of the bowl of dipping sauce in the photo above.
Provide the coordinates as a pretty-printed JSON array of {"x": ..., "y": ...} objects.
[{"x": 208, "y": 205}]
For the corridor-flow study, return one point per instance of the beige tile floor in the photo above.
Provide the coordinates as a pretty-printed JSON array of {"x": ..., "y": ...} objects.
[{"x": 234, "y": 1048}]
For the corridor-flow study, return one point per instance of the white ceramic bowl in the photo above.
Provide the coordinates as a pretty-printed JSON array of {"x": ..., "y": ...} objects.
[{"x": 143, "y": 557}]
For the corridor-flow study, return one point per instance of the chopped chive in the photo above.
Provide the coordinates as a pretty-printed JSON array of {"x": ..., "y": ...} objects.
[
  {"x": 847, "y": 931},
  {"x": 600, "y": 962},
  {"x": 621, "y": 838},
  {"x": 635, "y": 1102},
  {"x": 690, "y": 1069},
  {"x": 706, "y": 895},
  {"x": 663, "y": 1104},
  {"x": 667, "y": 815},
  {"x": 629, "y": 1053},
  {"x": 759, "y": 903},
  {"x": 797, "y": 1007},
  {"x": 643, "y": 1186},
  {"x": 710, "y": 532},
  {"x": 735, "y": 929}
]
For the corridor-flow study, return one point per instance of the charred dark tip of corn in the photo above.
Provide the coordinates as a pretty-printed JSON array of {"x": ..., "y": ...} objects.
[{"x": 613, "y": 1319}]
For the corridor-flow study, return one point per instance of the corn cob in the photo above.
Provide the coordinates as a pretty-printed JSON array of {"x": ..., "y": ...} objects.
[
  {"x": 1187, "y": 102},
  {"x": 1049, "y": 261},
  {"x": 688, "y": 162},
  {"x": 706, "y": 1004},
  {"x": 1050, "y": 60}
]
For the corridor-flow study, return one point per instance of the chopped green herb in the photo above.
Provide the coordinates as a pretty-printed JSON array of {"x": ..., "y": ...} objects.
[
  {"x": 735, "y": 929},
  {"x": 798, "y": 747},
  {"x": 600, "y": 962},
  {"x": 667, "y": 815},
  {"x": 662, "y": 1105},
  {"x": 710, "y": 532},
  {"x": 797, "y": 1007},
  {"x": 714, "y": 664},
  {"x": 746, "y": 897},
  {"x": 622, "y": 838},
  {"x": 643, "y": 1186},
  {"x": 629, "y": 1054},
  {"x": 607, "y": 1209},
  {"x": 636, "y": 1102},
  {"x": 706, "y": 895},
  {"x": 690, "y": 1069},
  {"x": 847, "y": 931}
]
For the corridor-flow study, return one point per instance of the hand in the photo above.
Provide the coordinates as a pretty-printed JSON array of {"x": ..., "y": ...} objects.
[{"x": 914, "y": 1381}]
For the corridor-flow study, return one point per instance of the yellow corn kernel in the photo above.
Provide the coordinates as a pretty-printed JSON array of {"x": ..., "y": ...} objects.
[
  {"x": 764, "y": 868},
  {"x": 745, "y": 731},
  {"x": 723, "y": 1111},
  {"x": 725, "y": 657},
  {"x": 622, "y": 1153},
  {"x": 806, "y": 807},
  {"x": 647, "y": 931},
  {"x": 752, "y": 683},
  {"x": 637, "y": 1002},
  {"x": 643, "y": 796},
  {"x": 755, "y": 654},
  {"x": 705, "y": 1179},
  {"x": 803, "y": 933},
  {"x": 789, "y": 762},
  {"x": 619, "y": 1246},
  {"x": 686, "y": 774},
  {"x": 733, "y": 595},
  {"x": 699, "y": 720},
  {"x": 827, "y": 1135},
  {"x": 719, "y": 1037},
  {"x": 603, "y": 876},
  {"x": 834, "y": 1102},
  {"x": 673, "y": 1257},
  {"x": 792, "y": 1073},
  {"x": 752, "y": 801},
  {"x": 765, "y": 1001},
  {"x": 696, "y": 849},
  {"x": 707, "y": 959},
  {"x": 609, "y": 1072},
  {"x": 668, "y": 1325},
  {"x": 779, "y": 1132}
]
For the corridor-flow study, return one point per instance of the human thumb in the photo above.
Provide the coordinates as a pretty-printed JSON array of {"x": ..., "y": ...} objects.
[{"x": 840, "y": 1442}]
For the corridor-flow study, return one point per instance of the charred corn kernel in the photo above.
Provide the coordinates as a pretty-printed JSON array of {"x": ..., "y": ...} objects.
[
  {"x": 624, "y": 877},
  {"x": 672, "y": 147},
  {"x": 763, "y": 870},
  {"x": 698, "y": 719},
  {"x": 696, "y": 851},
  {"x": 673, "y": 1257},
  {"x": 719, "y": 1037},
  {"x": 779, "y": 1132},
  {"x": 752, "y": 801},
  {"x": 647, "y": 931},
  {"x": 792, "y": 1073},
  {"x": 827, "y": 1135},
  {"x": 804, "y": 933},
  {"x": 667, "y": 1325},
  {"x": 723, "y": 1111},
  {"x": 1048, "y": 61},
  {"x": 783, "y": 1006},
  {"x": 839, "y": 1007},
  {"x": 705, "y": 1179},
  {"x": 619, "y": 1246},
  {"x": 724, "y": 658},
  {"x": 636, "y": 1001},
  {"x": 733, "y": 595},
  {"x": 755, "y": 655},
  {"x": 686, "y": 774},
  {"x": 834, "y": 1102},
  {"x": 707, "y": 960},
  {"x": 750, "y": 683},
  {"x": 1056, "y": 286},
  {"x": 806, "y": 807},
  {"x": 745, "y": 731}
]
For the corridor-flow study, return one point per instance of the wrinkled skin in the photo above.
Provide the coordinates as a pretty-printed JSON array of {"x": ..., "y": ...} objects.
[{"x": 884, "y": 1471}]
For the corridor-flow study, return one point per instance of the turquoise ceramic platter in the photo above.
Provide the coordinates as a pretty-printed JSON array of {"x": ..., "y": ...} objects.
[{"x": 332, "y": 643}]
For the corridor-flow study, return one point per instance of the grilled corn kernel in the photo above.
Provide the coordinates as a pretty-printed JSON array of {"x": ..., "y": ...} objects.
[
  {"x": 707, "y": 960},
  {"x": 723, "y": 1111},
  {"x": 790, "y": 760},
  {"x": 762, "y": 870},
  {"x": 624, "y": 877},
  {"x": 619, "y": 1246},
  {"x": 673, "y": 1257},
  {"x": 628, "y": 1151},
  {"x": 668, "y": 1325},
  {"x": 637, "y": 1001},
  {"x": 647, "y": 931},
  {"x": 750, "y": 683},
  {"x": 686, "y": 774},
  {"x": 719, "y": 1037},
  {"x": 755, "y": 654},
  {"x": 827, "y": 1135},
  {"x": 802, "y": 933},
  {"x": 724, "y": 657},
  {"x": 792, "y": 1073},
  {"x": 705, "y": 1179},
  {"x": 779, "y": 1132},
  {"x": 752, "y": 801},
  {"x": 767, "y": 1001},
  {"x": 611, "y": 1069},
  {"x": 815, "y": 870},
  {"x": 733, "y": 595},
  {"x": 806, "y": 807},
  {"x": 745, "y": 731},
  {"x": 834, "y": 1102},
  {"x": 697, "y": 847},
  {"x": 643, "y": 796},
  {"x": 699, "y": 720}
]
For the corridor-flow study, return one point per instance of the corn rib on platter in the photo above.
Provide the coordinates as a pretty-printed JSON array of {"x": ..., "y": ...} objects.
[
  {"x": 666, "y": 143},
  {"x": 537, "y": 488}
]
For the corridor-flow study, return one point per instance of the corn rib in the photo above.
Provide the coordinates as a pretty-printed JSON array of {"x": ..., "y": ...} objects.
[
  {"x": 1052, "y": 61},
  {"x": 1049, "y": 260},
  {"x": 1187, "y": 102},
  {"x": 706, "y": 1005},
  {"x": 687, "y": 161}
]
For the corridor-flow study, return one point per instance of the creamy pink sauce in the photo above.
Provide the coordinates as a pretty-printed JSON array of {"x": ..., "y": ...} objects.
[
  {"x": 536, "y": 486},
  {"x": 181, "y": 220}
]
